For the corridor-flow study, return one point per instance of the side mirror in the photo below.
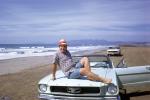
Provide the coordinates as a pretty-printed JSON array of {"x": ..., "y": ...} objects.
[{"x": 121, "y": 64}]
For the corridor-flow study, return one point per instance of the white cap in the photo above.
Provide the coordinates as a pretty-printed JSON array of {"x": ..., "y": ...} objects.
[{"x": 62, "y": 42}]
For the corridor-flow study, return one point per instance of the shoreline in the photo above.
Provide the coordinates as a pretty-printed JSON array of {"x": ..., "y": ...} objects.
[{"x": 14, "y": 65}]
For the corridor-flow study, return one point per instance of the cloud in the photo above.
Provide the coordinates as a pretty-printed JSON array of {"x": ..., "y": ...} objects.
[{"x": 75, "y": 18}]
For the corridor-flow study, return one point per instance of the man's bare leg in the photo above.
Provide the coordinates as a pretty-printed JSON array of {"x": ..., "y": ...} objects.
[
  {"x": 94, "y": 77},
  {"x": 86, "y": 71},
  {"x": 85, "y": 62}
]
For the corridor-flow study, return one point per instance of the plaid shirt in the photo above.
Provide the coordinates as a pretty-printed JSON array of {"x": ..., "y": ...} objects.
[{"x": 64, "y": 61}]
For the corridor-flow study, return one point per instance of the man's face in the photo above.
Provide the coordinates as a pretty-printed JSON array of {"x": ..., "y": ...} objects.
[{"x": 63, "y": 48}]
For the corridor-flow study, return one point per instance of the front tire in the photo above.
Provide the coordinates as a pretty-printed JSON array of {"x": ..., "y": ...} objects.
[{"x": 124, "y": 96}]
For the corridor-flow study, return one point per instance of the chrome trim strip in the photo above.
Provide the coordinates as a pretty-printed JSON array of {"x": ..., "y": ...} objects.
[
  {"x": 136, "y": 83},
  {"x": 133, "y": 73}
]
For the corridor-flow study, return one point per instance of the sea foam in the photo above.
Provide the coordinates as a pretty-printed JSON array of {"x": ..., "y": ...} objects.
[{"x": 9, "y": 53}]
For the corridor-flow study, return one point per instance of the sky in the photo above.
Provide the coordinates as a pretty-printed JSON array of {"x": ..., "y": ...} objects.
[{"x": 47, "y": 21}]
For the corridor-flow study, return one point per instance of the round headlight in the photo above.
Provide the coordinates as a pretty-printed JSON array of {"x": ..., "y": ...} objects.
[
  {"x": 112, "y": 89},
  {"x": 43, "y": 87}
]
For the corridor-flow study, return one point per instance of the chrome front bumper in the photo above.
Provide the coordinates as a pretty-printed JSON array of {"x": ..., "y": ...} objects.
[{"x": 53, "y": 97}]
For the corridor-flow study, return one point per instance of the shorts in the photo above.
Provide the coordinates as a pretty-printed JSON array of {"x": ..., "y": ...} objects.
[{"x": 76, "y": 72}]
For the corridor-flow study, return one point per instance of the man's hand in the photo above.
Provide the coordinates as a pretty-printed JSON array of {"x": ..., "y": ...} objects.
[
  {"x": 52, "y": 77},
  {"x": 53, "y": 72}
]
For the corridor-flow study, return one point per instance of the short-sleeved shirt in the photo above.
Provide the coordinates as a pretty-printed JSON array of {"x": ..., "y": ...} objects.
[{"x": 64, "y": 61}]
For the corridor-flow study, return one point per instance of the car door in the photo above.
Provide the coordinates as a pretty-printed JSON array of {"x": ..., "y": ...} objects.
[{"x": 135, "y": 75}]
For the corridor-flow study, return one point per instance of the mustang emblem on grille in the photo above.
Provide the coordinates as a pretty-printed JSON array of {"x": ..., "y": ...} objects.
[{"x": 74, "y": 90}]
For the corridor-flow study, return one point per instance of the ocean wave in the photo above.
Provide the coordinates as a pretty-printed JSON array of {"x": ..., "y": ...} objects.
[{"x": 6, "y": 53}]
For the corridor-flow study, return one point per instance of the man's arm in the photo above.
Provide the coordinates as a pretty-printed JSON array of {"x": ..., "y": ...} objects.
[{"x": 53, "y": 71}]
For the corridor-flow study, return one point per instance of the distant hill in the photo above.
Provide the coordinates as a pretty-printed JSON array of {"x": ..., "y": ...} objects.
[
  {"x": 86, "y": 42},
  {"x": 89, "y": 42},
  {"x": 104, "y": 42}
]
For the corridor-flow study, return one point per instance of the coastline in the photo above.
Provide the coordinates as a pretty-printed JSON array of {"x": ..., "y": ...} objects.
[{"x": 14, "y": 65}]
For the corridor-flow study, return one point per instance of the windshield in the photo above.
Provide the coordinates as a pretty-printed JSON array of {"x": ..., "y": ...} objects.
[
  {"x": 99, "y": 65},
  {"x": 96, "y": 61},
  {"x": 114, "y": 47}
]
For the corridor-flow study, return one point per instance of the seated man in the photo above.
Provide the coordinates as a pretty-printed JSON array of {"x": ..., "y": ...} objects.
[{"x": 63, "y": 59}]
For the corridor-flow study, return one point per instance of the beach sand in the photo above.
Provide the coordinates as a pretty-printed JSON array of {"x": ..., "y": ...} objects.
[{"x": 21, "y": 75}]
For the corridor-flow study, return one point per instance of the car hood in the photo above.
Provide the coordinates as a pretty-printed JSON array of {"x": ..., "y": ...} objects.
[{"x": 61, "y": 80}]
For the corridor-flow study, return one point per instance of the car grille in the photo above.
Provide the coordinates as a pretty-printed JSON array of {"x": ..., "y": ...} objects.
[{"x": 78, "y": 91}]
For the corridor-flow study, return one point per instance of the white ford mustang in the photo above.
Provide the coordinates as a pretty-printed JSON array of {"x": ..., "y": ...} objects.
[
  {"x": 114, "y": 51},
  {"x": 64, "y": 88}
]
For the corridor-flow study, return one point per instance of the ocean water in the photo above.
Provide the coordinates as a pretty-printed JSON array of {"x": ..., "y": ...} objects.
[{"x": 9, "y": 51}]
